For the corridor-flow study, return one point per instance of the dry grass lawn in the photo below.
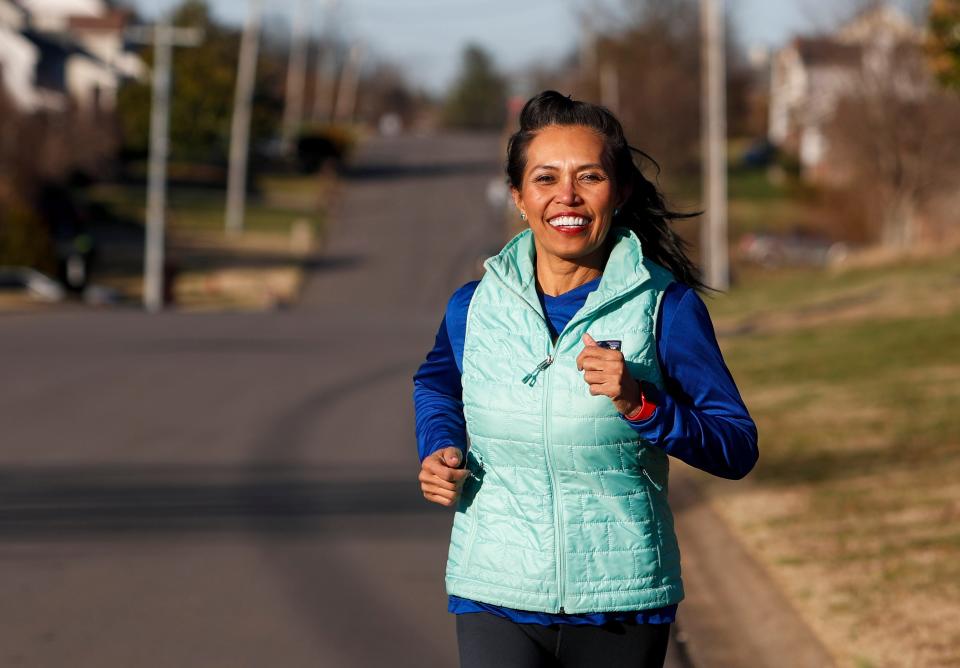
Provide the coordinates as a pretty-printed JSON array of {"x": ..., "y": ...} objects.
[{"x": 854, "y": 380}]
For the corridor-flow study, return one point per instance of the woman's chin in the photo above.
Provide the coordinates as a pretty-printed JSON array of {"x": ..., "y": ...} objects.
[{"x": 573, "y": 250}]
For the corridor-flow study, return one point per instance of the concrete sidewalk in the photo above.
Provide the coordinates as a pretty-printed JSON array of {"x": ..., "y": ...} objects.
[{"x": 733, "y": 616}]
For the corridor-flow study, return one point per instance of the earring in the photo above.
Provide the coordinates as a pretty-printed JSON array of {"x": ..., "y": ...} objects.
[
  {"x": 523, "y": 216},
  {"x": 615, "y": 212}
]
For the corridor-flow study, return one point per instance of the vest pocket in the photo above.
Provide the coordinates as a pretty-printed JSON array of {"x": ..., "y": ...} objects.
[
  {"x": 467, "y": 496},
  {"x": 654, "y": 516}
]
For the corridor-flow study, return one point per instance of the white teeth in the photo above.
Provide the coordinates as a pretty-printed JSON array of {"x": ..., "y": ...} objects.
[{"x": 569, "y": 221}]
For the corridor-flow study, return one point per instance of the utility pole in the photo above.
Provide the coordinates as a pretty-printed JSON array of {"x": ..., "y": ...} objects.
[
  {"x": 296, "y": 78},
  {"x": 588, "y": 51},
  {"x": 714, "y": 136},
  {"x": 164, "y": 37},
  {"x": 610, "y": 87},
  {"x": 326, "y": 68},
  {"x": 240, "y": 129},
  {"x": 347, "y": 93},
  {"x": 322, "y": 89},
  {"x": 326, "y": 105}
]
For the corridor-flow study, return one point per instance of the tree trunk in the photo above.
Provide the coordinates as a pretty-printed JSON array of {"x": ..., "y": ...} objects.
[{"x": 899, "y": 223}]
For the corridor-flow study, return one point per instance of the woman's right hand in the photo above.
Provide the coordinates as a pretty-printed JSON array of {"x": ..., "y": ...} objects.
[{"x": 441, "y": 476}]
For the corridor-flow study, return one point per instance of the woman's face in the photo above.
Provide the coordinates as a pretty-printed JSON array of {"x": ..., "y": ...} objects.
[{"x": 566, "y": 192}]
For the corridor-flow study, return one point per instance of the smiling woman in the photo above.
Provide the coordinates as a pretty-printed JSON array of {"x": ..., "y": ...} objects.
[
  {"x": 568, "y": 199},
  {"x": 579, "y": 363}
]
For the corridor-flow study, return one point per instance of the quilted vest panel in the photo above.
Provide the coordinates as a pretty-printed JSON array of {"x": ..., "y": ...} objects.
[{"x": 566, "y": 508}]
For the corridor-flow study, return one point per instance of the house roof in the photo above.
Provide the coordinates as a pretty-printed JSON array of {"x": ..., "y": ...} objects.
[{"x": 112, "y": 21}]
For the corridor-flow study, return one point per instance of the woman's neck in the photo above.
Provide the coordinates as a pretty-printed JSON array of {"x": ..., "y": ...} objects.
[{"x": 556, "y": 275}]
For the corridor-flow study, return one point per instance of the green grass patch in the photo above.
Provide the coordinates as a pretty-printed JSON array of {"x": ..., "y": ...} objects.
[
  {"x": 853, "y": 378},
  {"x": 869, "y": 356},
  {"x": 204, "y": 209},
  {"x": 763, "y": 291}
]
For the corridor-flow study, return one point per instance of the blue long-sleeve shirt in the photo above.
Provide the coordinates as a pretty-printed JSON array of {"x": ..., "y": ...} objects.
[{"x": 700, "y": 419}]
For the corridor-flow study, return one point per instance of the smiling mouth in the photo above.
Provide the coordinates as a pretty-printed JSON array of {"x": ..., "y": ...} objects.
[{"x": 569, "y": 223}]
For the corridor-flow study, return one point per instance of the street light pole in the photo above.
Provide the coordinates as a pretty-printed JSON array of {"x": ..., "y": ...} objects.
[
  {"x": 240, "y": 128},
  {"x": 157, "y": 171},
  {"x": 714, "y": 136},
  {"x": 164, "y": 37}
]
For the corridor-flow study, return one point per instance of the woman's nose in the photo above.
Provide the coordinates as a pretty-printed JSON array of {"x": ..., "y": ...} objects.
[{"x": 568, "y": 192}]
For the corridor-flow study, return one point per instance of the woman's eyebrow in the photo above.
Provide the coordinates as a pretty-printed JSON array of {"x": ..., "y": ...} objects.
[{"x": 591, "y": 165}]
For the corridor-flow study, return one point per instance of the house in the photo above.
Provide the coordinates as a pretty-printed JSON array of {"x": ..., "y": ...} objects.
[
  {"x": 809, "y": 76},
  {"x": 19, "y": 58},
  {"x": 57, "y": 52},
  {"x": 55, "y": 15}
]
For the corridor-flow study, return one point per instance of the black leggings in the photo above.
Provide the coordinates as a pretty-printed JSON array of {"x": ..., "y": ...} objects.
[{"x": 489, "y": 641}]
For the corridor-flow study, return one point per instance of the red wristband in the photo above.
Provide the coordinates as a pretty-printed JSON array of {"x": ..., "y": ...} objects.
[{"x": 647, "y": 407}]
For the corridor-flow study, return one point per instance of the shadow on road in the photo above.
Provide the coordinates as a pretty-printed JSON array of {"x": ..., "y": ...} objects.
[
  {"x": 70, "y": 500},
  {"x": 333, "y": 262},
  {"x": 385, "y": 171}
]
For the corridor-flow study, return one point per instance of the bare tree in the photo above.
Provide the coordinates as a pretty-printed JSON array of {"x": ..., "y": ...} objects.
[
  {"x": 656, "y": 61},
  {"x": 894, "y": 136}
]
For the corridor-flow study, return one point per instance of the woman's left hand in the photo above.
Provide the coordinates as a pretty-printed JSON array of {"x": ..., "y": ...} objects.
[{"x": 605, "y": 371}]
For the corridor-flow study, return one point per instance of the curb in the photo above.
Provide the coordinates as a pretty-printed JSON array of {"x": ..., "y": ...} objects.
[{"x": 733, "y": 615}]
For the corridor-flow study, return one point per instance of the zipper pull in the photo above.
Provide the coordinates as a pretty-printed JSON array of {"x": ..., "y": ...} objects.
[
  {"x": 531, "y": 378},
  {"x": 479, "y": 461},
  {"x": 644, "y": 471}
]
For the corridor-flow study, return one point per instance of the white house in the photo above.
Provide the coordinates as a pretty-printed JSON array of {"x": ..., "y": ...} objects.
[
  {"x": 54, "y": 51},
  {"x": 19, "y": 61},
  {"x": 810, "y": 75},
  {"x": 54, "y": 15}
]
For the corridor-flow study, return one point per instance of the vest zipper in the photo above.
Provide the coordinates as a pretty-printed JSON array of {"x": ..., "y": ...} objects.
[
  {"x": 557, "y": 508},
  {"x": 531, "y": 378}
]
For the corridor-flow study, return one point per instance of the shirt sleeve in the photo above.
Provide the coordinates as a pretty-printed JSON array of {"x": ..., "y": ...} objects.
[
  {"x": 701, "y": 418},
  {"x": 437, "y": 389}
]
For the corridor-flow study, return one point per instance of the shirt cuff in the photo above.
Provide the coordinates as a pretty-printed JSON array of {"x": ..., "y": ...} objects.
[
  {"x": 441, "y": 446},
  {"x": 644, "y": 421}
]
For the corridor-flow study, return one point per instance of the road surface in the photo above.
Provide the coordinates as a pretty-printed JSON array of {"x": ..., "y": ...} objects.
[{"x": 240, "y": 489}]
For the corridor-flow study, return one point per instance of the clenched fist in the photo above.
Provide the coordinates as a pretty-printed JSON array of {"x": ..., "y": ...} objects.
[
  {"x": 442, "y": 475},
  {"x": 605, "y": 371}
]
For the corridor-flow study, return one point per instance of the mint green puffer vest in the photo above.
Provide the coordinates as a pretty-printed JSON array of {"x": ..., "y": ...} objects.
[{"x": 566, "y": 508}]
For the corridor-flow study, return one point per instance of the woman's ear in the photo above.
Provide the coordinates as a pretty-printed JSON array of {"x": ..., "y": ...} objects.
[{"x": 517, "y": 201}]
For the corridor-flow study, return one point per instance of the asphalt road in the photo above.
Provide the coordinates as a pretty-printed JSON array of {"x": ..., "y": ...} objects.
[{"x": 240, "y": 490}]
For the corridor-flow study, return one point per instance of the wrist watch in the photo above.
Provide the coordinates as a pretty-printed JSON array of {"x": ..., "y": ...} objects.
[{"x": 647, "y": 406}]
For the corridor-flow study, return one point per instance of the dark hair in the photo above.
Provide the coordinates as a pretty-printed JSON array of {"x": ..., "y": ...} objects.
[{"x": 645, "y": 211}]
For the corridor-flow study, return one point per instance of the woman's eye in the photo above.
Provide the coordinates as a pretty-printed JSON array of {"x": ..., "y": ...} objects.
[
  {"x": 592, "y": 177},
  {"x": 543, "y": 178}
]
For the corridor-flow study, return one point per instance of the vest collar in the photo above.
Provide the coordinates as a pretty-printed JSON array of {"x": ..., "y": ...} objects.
[{"x": 515, "y": 266}]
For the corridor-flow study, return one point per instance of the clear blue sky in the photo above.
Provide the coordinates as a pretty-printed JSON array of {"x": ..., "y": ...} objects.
[{"x": 426, "y": 36}]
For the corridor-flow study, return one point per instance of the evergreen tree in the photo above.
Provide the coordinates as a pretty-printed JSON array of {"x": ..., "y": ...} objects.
[
  {"x": 202, "y": 90},
  {"x": 478, "y": 98}
]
